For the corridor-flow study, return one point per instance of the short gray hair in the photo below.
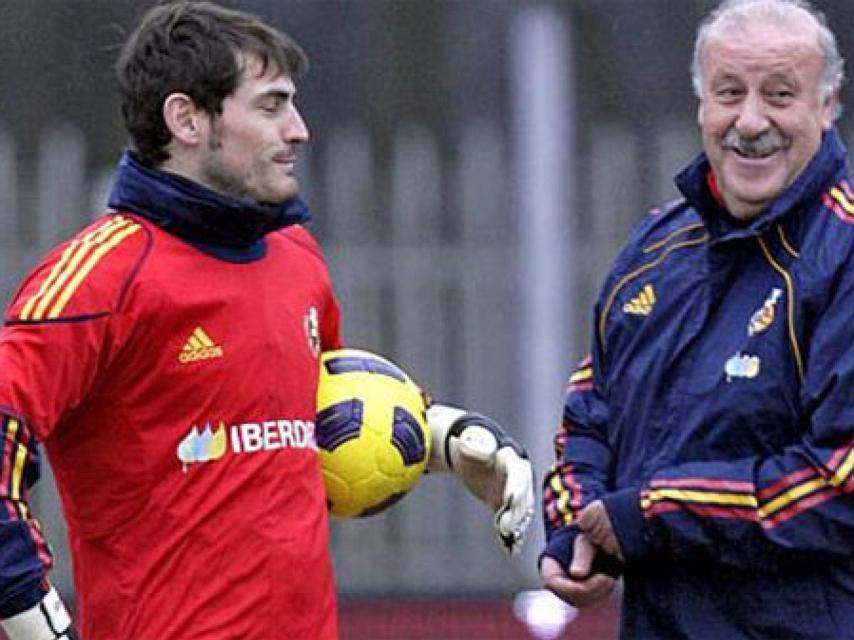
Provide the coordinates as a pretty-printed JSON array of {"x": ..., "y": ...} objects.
[{"x": 737, "y": 10}]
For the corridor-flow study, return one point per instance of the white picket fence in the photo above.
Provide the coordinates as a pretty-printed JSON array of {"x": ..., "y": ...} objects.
[{"x": 421, "y": 241}]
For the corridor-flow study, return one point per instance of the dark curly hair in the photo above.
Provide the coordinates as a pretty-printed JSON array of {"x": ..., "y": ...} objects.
[{"x": 193, "y": 48}]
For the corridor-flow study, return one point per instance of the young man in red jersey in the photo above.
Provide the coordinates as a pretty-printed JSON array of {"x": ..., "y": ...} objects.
[{"x": 199, "y": 300}]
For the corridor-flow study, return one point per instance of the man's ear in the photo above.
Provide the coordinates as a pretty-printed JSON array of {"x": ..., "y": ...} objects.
[
  {"x": 830, "y": 109},
  {"x": 183, "y": 118}
]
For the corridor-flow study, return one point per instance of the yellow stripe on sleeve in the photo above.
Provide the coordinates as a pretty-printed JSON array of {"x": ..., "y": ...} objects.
[
  {"x": 20, "y": 459},
  {"x": 87, "y": 267},
  {"x": 708, "y": 497},
  {"x": 842, "y": 474},
  {"x": 792, "y": 495},
  {"x": 841, "y": 199},
  {"x": 66, "y": 266},
  {"x": 59, "y": 268},
  {"x": 581, "y": 375}
]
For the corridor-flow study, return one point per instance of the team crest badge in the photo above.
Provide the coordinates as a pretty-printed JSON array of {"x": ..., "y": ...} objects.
[
  {"x": 311, "y": 323},
  {"x": 763, "y": 317}
]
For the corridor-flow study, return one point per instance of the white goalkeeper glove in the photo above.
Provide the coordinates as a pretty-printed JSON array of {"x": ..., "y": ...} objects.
[
  {"x": 492, "y": 465},
  {"x": 47, "y": 620}
]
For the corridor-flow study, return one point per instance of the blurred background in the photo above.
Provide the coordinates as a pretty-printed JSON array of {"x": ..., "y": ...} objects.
[{"x": 474, "y": 166}]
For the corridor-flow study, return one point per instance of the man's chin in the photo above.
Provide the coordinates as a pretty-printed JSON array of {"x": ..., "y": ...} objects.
[
  {"x": 747, "y": 199},
  {"x": 748, "y": 206},
  {"x": 278, "y": 198}
]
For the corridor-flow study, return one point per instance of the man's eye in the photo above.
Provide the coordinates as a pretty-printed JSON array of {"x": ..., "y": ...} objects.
[
  {"x": 729, "y": 92},
  {"x": 782, "y": 94},
  {"x": 272, "y": 106}
]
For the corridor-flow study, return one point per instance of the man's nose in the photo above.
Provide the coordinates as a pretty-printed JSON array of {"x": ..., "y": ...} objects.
[
  {"x": 752, "y": 119},
  {"x": 295, "y": 130}
]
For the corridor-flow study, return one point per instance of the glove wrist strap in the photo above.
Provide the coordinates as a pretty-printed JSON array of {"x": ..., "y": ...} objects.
[
  {"x": 47, "y": 620},
  {"x": 487, "y": 423}
]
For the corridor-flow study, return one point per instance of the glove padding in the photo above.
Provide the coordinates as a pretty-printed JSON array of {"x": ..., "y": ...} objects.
[
  {"x": 47, "y": 620},
  {"x": 493, "y": 467}
]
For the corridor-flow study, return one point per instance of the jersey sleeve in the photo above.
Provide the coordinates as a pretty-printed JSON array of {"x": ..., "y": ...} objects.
[
  {"x": 330, "y": 332},
  {"x": 56, "y": 337},
  {"x": 794, "y": 504},
  {"x": 330, "y": 320}
]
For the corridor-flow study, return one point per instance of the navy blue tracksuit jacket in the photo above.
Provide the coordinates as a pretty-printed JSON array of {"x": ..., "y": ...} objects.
[{"x": 715, "y": 415}]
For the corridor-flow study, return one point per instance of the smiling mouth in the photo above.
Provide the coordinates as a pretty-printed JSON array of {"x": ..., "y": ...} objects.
[
  {"x": 285, "y": 158},
  {"x": 287, "y": 163},
  {"x": 755, "y": 154}
]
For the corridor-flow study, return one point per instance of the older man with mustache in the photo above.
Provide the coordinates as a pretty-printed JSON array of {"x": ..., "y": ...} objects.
[{"x": 706, "y": 453}]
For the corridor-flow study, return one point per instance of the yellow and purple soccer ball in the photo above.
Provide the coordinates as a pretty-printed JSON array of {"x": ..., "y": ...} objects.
[{"x": 372, "y": 432}]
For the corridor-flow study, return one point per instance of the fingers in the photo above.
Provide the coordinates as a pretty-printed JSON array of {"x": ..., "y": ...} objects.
[
  {"x": 579, "y": 593},
  {"x": 596, "y": 524},
  {"x": 518, "y": 503},
  {"x": 511, "y": 528},
  {"x": 517, "y": 510},
  {"x": 583, "y": 554}
]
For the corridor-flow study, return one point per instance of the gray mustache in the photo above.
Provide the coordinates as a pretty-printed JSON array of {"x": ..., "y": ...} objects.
[{"x": 762, "y": 145}]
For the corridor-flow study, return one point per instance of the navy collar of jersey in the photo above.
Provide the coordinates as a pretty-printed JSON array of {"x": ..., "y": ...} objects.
[
  {"x": 228, "y": 228},
  {"x": 826, "y": 166}
]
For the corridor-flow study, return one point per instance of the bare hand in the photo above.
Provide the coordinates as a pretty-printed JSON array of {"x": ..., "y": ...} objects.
[
  {"x": 594, "y": 522},
  {"x": 577, "y": 587}
]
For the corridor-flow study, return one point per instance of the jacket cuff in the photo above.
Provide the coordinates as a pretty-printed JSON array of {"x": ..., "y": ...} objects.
[
  {"x": 21, "y": 601},
  {"x": 559, "y": 546},
  {"x": 628, "y": 522}
]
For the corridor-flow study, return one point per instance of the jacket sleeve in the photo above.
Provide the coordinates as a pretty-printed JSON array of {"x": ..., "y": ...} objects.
[
  {"x": 581, "y": 470},
  {"x": 25, "y": 557},
  {"x": 787, "y": 505}
]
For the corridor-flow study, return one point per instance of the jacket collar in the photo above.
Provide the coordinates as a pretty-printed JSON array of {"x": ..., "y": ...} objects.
[
  {"x": 826, "y": 166},
  {"x": 229, "y": 228}
]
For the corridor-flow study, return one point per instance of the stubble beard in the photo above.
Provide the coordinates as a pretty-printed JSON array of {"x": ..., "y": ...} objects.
[
  {"x": 217, "y": 175},
  {"x": 230, "y": 182}
]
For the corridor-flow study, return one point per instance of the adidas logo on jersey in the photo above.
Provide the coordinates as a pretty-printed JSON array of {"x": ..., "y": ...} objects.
[
  {"x": 199, "y": 346},
  {"x": 641, "y": 304}
]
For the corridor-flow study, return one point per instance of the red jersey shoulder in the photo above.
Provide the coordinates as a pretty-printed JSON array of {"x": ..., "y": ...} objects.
[
  {"x": 84, "y": 276},
  {"x": 298, "y": 236}
]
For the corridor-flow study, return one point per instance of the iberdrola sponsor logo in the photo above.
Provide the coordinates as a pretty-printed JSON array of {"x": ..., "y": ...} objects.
[
  {"x": 210, "y": 445},
  {"x": 202, "y": 446}
]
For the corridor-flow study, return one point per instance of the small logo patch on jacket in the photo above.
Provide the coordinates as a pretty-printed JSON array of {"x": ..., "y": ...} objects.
[
  {"x": 199, "y": 346},
  {"x": 742, "y": 365},
  {"x": 641, "y": 304}
]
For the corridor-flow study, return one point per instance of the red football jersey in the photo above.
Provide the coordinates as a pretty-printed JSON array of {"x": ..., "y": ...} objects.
[{"x": 175, "y": 395}]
